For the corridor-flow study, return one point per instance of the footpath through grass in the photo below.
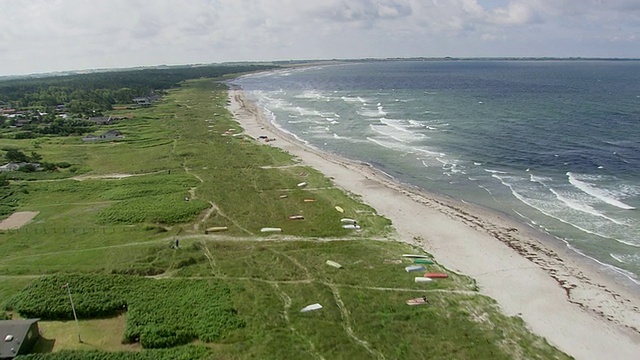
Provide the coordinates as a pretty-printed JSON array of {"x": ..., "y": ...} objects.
[{"x": 109, "y": 224}]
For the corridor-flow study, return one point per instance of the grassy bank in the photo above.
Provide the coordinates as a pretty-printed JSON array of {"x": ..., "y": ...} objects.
[{"x": 114, "y": 216}]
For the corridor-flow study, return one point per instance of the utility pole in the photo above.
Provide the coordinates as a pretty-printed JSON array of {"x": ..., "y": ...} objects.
[{"x": 73, "y": 308}]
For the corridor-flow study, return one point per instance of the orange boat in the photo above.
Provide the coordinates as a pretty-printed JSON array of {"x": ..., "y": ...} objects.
[{"x": 436, "y": 275}]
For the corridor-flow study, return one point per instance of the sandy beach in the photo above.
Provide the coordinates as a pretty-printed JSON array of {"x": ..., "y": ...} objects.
[{"x": 561, "y": 298}]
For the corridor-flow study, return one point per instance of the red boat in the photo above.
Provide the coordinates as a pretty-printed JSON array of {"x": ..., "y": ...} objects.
[{"x": 436, "y": 275}]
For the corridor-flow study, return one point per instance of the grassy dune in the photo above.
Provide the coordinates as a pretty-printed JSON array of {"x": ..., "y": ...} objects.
[{"x": 121, "y": 205}]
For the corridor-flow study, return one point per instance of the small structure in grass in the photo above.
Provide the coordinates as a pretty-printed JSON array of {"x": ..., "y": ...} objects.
[{"x": 17, "y": 337}]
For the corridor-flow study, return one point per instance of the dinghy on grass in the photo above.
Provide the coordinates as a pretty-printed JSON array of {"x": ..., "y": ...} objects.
[
  {"x": 351, "y": 227},
  {"x": 302, "y": 184},
  {"x": 311, "y": 307},
  {"x": 422, "y": 261},
  {"x": 436, "y": 275},
  {"x": 334, "y": 264},
  {"x": 347, "y": 221},
  {"x": 270, "y": 229},
  {"x": 339, "y": 209},
  {"x": 415, "y": 256},
  {"x": 215, "y": 229},
  {"x": 422, "y": 279},
  {"x": 411, "y": 268}
]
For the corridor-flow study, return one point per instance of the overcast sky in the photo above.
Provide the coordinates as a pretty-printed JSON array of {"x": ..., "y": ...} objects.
[{"x": 52, "y": 35}]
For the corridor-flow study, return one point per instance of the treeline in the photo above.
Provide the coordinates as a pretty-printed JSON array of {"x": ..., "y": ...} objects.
[{"x": 85, "y": 93}]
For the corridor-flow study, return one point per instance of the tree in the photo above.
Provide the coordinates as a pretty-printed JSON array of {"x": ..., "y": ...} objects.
[
  {"x": 15, "y": 155},
  {"x": 35, "y": 156},
  {"x": 4, "y": 182}
]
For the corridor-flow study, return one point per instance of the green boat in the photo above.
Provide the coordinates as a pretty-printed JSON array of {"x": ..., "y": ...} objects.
[{"x": 422, "y": 261}]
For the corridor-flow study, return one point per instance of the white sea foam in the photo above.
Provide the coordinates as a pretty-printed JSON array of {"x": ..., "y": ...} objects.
[
  {"x": 402, "y": 125},
  {"x": 396, "y": 133},
  {"x": 368, "y": 112},
  {"x": 416, "y": 124},
  {"x": 354, "y": 99},
  {"x": 495, "y": 172},
  {"x": 312, "y": 94},
  {"x": 531, "y": 203},
  {"x": 600, "y": 194},
  {"x": 583, "y": 207},
  {"x": 539, "y": 179}
]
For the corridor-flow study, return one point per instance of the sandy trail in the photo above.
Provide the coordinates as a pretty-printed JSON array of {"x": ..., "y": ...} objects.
[
  {"x": 17, "y": 220},
  {"x": 572, "y": 305}
]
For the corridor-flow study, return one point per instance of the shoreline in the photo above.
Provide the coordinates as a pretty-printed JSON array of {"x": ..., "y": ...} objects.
[{"x": 574, "y": 306}]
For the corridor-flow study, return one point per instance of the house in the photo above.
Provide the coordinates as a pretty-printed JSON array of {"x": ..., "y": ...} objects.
[
  {"x": 17, "y": 337},
  {"x": 17, "y": 166},
  {"x": 146, "y": 100},
  {"x": 21, "y": 122},
  {"x": 142, "y": 100},
  {"x": 107, "y": 136}
]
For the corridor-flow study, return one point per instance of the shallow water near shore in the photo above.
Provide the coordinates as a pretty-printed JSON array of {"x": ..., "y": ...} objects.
[{"x": 553, "y": 144}]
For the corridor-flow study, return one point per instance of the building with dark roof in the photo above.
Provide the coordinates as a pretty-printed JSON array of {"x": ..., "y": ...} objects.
[{"x": 17, "y": 337}]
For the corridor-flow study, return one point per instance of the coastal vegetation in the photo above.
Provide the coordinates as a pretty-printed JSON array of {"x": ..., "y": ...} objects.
[{"x": 123, "y": 229}]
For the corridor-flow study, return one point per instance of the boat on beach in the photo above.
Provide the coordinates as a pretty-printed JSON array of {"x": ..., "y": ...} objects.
[
  {"x": 415, "y": 256},
  {"x": 436, "y": 275}
]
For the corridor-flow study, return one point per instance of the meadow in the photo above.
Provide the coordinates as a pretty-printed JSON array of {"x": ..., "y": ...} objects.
[{"x": 108, "y": 225}]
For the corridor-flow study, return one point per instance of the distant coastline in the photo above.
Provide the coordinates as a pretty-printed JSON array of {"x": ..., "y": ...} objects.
[{"x": 301, "y": 62}]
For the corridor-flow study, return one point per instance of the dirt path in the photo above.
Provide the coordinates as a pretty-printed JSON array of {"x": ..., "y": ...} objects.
[{"x": 17, "y": 220}]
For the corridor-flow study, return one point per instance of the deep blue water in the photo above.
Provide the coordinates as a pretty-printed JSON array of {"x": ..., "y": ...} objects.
[{"x": 555, "y": 144}]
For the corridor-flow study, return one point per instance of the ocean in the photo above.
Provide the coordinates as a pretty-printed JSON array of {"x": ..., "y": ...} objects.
[{"x": 554, "y": 144}]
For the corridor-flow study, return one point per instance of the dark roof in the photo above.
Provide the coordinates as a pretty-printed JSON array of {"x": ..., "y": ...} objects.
[{"x": 16, "y": 328}]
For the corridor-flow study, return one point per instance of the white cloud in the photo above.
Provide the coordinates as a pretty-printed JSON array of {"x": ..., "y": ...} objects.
[{"x": 44, "y": 35}]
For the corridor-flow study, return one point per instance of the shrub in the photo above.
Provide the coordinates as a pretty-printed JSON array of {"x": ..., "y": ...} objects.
[
  {"x": 161, "y": 313},
  {"x": 179, "y": 353}
]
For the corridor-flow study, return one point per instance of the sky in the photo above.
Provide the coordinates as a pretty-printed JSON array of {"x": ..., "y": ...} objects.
[{"x": 38, "y": 36}]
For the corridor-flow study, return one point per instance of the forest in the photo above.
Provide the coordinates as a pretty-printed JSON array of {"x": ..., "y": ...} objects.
[{"x": 85, "y": 94}]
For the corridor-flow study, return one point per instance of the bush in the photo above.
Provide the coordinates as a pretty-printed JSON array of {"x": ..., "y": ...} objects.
[{"x": 161, "y": 313}]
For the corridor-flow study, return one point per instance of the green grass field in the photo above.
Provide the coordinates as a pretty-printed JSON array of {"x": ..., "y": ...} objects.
[{"x": 113, "y": 216}]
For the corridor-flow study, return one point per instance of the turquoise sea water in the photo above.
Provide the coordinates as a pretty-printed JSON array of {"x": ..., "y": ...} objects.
[{"x": 552, "y": 144}]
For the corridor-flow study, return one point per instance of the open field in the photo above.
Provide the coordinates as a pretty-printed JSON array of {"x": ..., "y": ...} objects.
[{"x": 110, "y": 236}]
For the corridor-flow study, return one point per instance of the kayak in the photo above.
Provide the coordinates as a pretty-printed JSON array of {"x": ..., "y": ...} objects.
[
  {"x": 216, "y": 229},
  {"x": 311, "y": 307},
  {"x": 414, "y": 268},
  {"x": 334, "y": 264},
  {"x": 422, "y": 261},
  {"x": 436, "y": 275},
  {"x": 415, "y": 256},
  {"x": 422, "y": 279}
]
